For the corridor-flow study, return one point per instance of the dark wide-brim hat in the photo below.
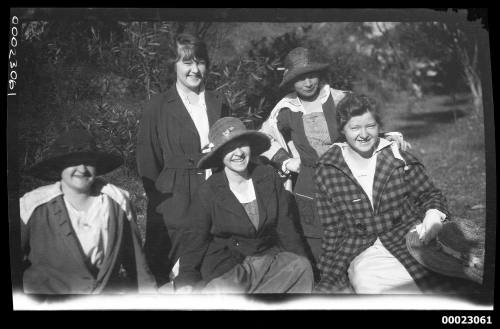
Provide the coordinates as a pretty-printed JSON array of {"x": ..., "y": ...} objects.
[
  {"x": 458, "y": 250},
  {"x": 73, "y": 148},
  {"x": 300, "y": 61},
  {"x": 227, "y": 130}
]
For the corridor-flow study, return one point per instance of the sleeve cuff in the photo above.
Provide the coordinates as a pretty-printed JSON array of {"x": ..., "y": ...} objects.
[{"x": 438, "y": 213}]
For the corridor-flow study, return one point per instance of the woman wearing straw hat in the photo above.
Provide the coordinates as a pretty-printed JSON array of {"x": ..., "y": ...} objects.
[
  {"x": 240, "y": 236},
  {"x": 303, "y": 127},
  {"x": 173, "y": 131},
  {"x": 79, "y": 235},
  {"x": 370, "y": 195}
]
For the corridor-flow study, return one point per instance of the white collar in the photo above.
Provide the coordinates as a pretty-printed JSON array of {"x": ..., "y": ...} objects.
[
  {"x": 184, "y": 95},
  {"x": 31, "y": 200},
  {"x": 383, "y": 143}
]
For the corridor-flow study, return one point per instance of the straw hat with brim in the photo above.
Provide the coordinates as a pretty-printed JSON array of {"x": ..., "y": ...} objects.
[
  {"x": 300, "y": 61},
  {"x": 227, "y": 130},
  {"x": 457, "y": 251},
  {"x": 73, "y": 148}
]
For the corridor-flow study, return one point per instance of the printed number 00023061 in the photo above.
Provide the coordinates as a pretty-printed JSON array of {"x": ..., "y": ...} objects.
[{"x": 466, "y": 319}]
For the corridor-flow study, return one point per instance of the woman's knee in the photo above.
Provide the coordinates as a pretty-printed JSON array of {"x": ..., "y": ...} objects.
[{"x": 299, "y": 263}]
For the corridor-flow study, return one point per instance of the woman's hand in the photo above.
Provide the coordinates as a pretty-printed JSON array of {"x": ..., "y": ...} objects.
[
  {"x": 293, "y": 164},
  {"x": 431, "y": 225},
  {"x": 398, "y": 138}
]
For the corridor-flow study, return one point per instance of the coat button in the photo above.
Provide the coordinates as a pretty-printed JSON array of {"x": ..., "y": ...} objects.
[{"x": 236, "y": 243}]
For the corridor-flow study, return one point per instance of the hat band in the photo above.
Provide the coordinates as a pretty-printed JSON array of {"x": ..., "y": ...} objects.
[{"x": 467, "y": 259}]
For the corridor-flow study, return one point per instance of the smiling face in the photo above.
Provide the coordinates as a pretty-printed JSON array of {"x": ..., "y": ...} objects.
[
  {"x": 307, "y": 85},
  {"x": 79, "y": 178},
  {"x": 191, "y": 73},
  {"x": 236, "y": 157},
  {"x": 361, "y": 133}
]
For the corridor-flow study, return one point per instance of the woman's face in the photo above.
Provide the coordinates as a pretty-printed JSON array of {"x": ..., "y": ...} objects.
[
  {"x": 307, "y": 85},
  {"x": 79, "y": 178},
  {"x": 237, "y": 157},
  {"x": 361, "y": 133},
  {"x": 191, "y": 73}
]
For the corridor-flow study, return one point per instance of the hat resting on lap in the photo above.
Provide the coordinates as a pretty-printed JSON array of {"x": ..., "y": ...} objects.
[{"x": 457, "y": 251}]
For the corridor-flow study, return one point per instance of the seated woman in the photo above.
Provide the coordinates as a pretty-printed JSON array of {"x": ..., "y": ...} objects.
[
  {"x": 240, "y": 235},
  {"x": 79, "y": 235},
  {"x": 370, "y": 195}
]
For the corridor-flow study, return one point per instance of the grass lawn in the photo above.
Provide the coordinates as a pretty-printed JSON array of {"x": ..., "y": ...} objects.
[{"x": 448, "y": 137}]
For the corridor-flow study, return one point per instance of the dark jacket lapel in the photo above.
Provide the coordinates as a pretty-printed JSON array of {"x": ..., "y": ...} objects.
[
  {"x": 264, "y": 190},
  {"x": 214, "y": 106},
  {"x": 115, "y": 235},
  {"x": 60, "y": 215},
  {"x": 223, "y": 195},
  {"x": 177, "y": 109},
  {"x": 227, "y": 200},
  {"x": 330, "y": 110},
  {"x": 386, "y": 164}
]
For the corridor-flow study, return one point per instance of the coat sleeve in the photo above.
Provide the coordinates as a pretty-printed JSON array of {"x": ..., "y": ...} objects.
[
  {"x": 288, "y": 235},
  {"x": 334, "y": 256},
  {"x": 276, "y": 153},
  {"x": 145, "y": 279},
  {"x": 149, "y": 156},
  {"x": 194, "y": 243},
  {"x": 423, "y": 191}
]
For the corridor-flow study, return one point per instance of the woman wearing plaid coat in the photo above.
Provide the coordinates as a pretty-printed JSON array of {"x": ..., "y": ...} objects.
[{"x": 369, "y": 196}]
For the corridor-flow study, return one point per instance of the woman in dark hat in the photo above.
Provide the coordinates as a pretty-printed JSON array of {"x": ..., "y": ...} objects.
[
  {"x": 303, "y": 127},
  {"x": 173, "y": 131},
  {"x": 79, "y": 234},
  {"x": 240, "y": 235}
]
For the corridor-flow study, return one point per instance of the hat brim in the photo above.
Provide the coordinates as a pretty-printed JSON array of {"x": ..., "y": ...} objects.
[
  {"x": 435, "y": 260},
  {"x": 296, "y": 72},
  {"x": 258, "y": 142},
  {"x": 50, "y": 169}
]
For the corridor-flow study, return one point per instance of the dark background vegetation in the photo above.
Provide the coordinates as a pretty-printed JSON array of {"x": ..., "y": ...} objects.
[{"x": 98, "y": 72}]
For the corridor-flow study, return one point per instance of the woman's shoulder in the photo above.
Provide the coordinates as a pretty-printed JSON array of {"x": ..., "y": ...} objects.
[
  {"x": 332, "y": 155},
  {"x": 36, "y": 198}
]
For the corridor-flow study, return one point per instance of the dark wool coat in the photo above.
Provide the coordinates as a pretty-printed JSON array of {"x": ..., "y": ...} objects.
[
  {"x": 401, "y": 196},
  {"x": 219, "y": 234},
  {"x": 168, "y": 149},
  {"x": 56, "y": 263}
]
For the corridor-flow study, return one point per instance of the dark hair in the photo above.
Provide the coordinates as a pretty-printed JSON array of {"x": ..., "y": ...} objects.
[
  {"x": 353, "y": 105},
  {"x": 189, "y": 47}
]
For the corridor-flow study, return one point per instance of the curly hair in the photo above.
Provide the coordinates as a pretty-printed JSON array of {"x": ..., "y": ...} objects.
[{"x": 354, "y": 105}]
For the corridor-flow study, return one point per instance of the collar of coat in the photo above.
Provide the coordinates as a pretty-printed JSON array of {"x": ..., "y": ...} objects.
[
  {"x": 388, "y": 160},
  {"x": 31, "y": 200},
  {"x": 335, "y": 158},
  {"x": 213, "y": 103},
  {"x": 263, "y": 182}
]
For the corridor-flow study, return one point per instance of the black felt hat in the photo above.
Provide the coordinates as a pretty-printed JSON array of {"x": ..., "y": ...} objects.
[{"x": 73, "y": 148}]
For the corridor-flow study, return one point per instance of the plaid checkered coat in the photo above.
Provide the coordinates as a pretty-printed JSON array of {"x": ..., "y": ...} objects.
[{"x": 402, "y": 193}]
